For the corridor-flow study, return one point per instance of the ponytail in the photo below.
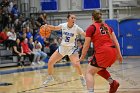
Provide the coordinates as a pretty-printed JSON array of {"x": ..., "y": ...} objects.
[
  {"x": 98, "y": 18},
  {"x": 106, "y": 29}
]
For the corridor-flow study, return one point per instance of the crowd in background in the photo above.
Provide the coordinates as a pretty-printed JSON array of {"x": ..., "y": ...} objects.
[{"x": 20, "y": 34}]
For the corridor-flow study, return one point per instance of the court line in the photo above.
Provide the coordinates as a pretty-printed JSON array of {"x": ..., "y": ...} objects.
[
  {"x": 48, "y": 86},
  {"x": 18, "y": 70},
  {"x": 112, "y": 71},
  {"x": 125, "y": 78}
]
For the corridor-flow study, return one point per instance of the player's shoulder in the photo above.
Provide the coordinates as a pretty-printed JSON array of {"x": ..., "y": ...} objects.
[
  {"x": 76, "y": 26},
  {"x": 92, "y": 26},
  {"x": 63, "y": 24}
]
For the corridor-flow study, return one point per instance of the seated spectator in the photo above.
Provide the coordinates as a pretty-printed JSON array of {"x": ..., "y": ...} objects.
[
  {"x": 41, "y": 40},
  {"x": 27, "y": 50},
  {"x": 80, "y": 46},
  {"x": 53, "y": 46},
  {"x": 32, "y": 25},
  {"x": 3, "y": 36},
  {"x": 17, "y": 50},
  {"x": 38, "y": 48},
  {"x": 47, "y": 47},
  {"x": 36, "y": 54},
  {"x": 42, "y": 19},
  {"x": 11, "y": 37},
  {"x": 29, "y": 34},
  {"x": 17, "y": 25},
  {"x": 15, "y": 11}
]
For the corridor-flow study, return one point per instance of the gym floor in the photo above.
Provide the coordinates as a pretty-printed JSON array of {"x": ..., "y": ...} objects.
[{"x": 29, "y": 79}]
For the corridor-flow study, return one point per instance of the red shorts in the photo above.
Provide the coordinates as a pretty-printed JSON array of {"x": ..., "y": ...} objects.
[{"x": 104, "y": 56}]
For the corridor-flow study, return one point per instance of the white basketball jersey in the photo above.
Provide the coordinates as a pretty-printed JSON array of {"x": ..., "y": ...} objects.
[{"x": 69, "y": 35}]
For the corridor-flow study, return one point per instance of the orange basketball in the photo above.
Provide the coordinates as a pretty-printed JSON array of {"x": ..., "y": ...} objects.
[{"x": 44, "y": 32}]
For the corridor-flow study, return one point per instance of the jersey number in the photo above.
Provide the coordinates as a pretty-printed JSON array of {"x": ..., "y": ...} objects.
[
  {"x": 103, "y": 32},
  {"x": 67, "y": 39}
]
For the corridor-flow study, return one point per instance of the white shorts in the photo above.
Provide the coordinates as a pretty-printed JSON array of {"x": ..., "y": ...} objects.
[{"x": 67, "y": 50}]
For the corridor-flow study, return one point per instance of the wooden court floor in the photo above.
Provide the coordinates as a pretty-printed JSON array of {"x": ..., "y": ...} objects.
[{"x": 67, "y": 80}]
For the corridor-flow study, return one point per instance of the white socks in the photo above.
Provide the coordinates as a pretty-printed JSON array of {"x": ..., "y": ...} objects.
[
  {"x": 91, "y": 90},
  {"x": 110, "y": 80}
]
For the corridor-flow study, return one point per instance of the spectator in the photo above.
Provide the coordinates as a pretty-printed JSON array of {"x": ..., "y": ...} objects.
[
  {"x": 29, "y": 34},
  {"x": 15, "y": 11},
  {"x": 4, "y": 3},
  {"x": 3, "y": 36},
  {"x": 42, "y": 19},
  {"x": 17, "y": 25},
  {"x": 11, "y": 37},
  {"x": 33, "y": 25},
  {"x": 4, "y": 18},
  {"x": 38, "y": 48},
  {"x": 27, "y": 50},
  {"x": 17, "y": 50},
  {"x": 80, "y": 47},
  {"x": 53, "y": 46},
  {"x": 36, "y": 54}
]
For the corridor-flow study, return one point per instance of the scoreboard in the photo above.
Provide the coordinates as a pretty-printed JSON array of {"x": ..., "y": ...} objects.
[
  {"x": 49, "y": 5},
  {"x": 91, "y": 4}
]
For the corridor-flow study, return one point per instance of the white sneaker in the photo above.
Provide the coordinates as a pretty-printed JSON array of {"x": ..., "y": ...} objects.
[
  {"x": 33, "y": 64},
  {"x": 39, "y": 62},
  {"x": 83, "y": 81},
  {"x": 49, "y": 79}
]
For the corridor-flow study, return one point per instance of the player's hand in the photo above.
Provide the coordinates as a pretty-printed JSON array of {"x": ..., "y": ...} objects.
[
  {"x": 120, "y": 59},
  {"x": 81, "y": 58},
  {"x": 44, "y": 26}
]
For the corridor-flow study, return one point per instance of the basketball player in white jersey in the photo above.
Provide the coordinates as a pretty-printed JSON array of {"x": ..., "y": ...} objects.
[{"x": 67, "y": 47}]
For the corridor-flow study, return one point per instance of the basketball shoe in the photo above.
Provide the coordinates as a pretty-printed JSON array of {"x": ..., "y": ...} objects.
[
  {"x": 114, "y": 86},
  {"x": 83, "y": 81},
  {"x": 49, "y": 79}
]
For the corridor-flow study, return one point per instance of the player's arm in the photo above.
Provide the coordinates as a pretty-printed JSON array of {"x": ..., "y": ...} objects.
[
  {"x": 120, "y": 58},
  {"x": 81, "y": 32},
  {"x": 89, "y": 33},
  {"x": 53, "y": 28},
  {"x": 85, "y": 47}
]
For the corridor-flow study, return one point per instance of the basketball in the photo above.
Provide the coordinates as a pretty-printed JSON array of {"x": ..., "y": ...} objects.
[{"x": 44, "y": 32}]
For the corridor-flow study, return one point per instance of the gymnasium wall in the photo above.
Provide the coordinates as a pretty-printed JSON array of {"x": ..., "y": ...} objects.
[
  {"x": 125, "y": 19},
  {"x": 128, "y": 35}
]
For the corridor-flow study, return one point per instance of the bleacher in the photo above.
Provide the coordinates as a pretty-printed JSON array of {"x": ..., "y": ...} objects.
[{"x": 6, "y": 57}]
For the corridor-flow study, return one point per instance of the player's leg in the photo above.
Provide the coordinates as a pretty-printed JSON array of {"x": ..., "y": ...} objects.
[
  {"x": 113, "y": 83},
  {"x": 107, "y": 62},
  {"x": 90, "y": 73},
  {"x": 76, "y": 64},
  {"x": 106, "y": 75},
  {"x": 56, "y": 56},
  {"x": 74, "y": 59}
]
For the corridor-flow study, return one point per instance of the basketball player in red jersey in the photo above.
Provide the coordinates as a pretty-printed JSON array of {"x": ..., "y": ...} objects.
[{"x": 107, "y": 50}]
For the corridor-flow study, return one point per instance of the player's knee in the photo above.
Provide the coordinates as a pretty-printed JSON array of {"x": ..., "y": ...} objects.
[
  {"x": 50, "y": 63},
  {"x": 76, "y": 64}
]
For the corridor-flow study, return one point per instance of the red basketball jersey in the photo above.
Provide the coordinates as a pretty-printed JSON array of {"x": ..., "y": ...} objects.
[
  {"x": 105, "y": 55},
  {"x": 99, "y": 37}
]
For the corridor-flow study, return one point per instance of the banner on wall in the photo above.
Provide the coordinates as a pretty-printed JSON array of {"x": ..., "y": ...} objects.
[
  {"x": 91, "y": 4},
  {"x": 49, "y": 5}
]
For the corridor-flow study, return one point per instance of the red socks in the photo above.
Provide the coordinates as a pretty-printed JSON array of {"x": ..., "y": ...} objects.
[{"x": 104, "y": 73}]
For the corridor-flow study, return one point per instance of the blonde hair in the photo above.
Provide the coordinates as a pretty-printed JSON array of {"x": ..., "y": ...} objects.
[
  {"x": 98, "y": 18},
  {"x": 6, "y": 29}
]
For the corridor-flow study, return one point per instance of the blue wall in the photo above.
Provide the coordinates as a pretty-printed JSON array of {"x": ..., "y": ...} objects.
[
  {"x": 114, "y": 24},
  {"x": 49, "y": 5},
  {"x": 128, "y": 35},
  {"x": 91, "y": 4}
]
